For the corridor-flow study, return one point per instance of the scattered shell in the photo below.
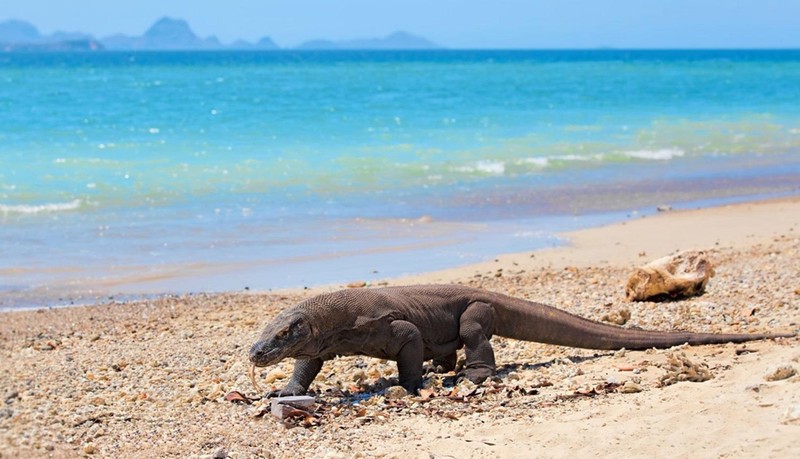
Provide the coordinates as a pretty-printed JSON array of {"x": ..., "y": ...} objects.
[
  {"x": 630, "y": 387},
  {"x": 680, "y": 368},
  {"x": 780, "y": 373},
  {"x": 620, "y": 317}
]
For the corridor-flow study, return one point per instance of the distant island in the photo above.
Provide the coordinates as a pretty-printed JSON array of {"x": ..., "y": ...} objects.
[
  {"x": 169, "y": 34},
  {"x": 396, "y": 41}
]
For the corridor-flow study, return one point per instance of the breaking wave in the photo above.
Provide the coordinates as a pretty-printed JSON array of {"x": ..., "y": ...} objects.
[
  {"x": 40, "y": 208},
  {"x": 664, "y": 154}
]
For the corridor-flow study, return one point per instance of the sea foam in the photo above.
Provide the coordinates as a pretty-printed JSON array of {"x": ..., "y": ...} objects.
[
  {"x": 40, "y": 208},
  {"x": 665, "y": 154},
  {"x": 485, "y": 167}
]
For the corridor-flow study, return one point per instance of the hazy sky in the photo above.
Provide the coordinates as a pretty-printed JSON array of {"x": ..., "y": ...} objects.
[{"x": 452, "y": 23}]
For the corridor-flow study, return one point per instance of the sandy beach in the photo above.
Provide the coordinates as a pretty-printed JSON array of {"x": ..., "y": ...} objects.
[{"x": 150, "y": 379}]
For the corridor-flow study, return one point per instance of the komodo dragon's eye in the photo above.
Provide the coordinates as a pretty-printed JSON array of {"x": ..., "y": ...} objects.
[{"x": 283, "y": 333}]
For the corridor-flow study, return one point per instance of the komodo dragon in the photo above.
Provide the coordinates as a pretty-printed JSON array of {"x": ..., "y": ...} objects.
[{"x": 412, "y": 324}]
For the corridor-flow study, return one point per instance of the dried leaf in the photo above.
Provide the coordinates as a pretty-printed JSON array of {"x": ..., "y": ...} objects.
[
  {"x": 262, "y": 411},
  {"x": 237, "y": 397}
]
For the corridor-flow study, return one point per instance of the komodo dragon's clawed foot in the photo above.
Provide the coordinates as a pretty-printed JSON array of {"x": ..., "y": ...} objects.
[
  {"x": 475, "y": 375},
  {"x": 287, "y": 391}
]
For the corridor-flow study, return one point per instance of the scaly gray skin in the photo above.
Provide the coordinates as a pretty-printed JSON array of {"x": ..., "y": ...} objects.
[{"x": 417, "y": 323}]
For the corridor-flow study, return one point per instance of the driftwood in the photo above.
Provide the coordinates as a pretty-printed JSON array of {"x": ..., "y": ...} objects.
[{"x": 676, "y": 276}]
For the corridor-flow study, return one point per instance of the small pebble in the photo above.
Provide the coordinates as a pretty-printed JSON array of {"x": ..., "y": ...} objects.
[
  {"x": 395, "y": 392},
  {"x": 274, "y": 375}
]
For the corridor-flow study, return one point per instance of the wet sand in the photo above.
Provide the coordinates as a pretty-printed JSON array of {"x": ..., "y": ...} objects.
[{"x": 150, "y": 378}]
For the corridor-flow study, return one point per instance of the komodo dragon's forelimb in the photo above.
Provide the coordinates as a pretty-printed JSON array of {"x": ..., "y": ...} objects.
[{"x": 417, "y": 323}]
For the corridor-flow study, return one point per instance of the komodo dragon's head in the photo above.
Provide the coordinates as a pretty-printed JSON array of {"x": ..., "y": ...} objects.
[{"x": 286, "y": 336}]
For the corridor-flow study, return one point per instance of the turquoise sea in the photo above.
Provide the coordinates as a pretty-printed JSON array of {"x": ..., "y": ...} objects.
[{"x": 148, "y": 173}]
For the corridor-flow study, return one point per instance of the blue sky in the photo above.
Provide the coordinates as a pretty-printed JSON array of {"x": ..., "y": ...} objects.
[{"x": 452, "y": 23}]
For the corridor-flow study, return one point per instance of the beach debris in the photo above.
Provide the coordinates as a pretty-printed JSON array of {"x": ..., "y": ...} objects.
[
  {"x": 280, "y": 406},
  {"x": 745, "y": 351},
  {"x": 237, "y": 397},
  {"x": 749, "y": 311},
  {"x": 620, "y": 317},
  {"x": 274, "y": 375},
  {"x": 781, "y": 373},
  {"x": 680, "y": 368},
  {"x": 792, "y": 415},
  {"x": 292, "y": 410},
  {"x": 664, "y": 208},
  {"x": 592, "y": 391},
  {"x": 630, "y": 387},
  {"x": 357, "y": 284},
  {"x": 676, "y": 276},
  {"x": 395, "y": 392}
]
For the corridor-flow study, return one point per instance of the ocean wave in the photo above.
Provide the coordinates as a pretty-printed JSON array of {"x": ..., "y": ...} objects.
[
  {"x": 485, "y": 167},
  {"x": 664, "y": 154},
  {"x": 40, "y": 208},
  {"x": 538, "y": 162}
]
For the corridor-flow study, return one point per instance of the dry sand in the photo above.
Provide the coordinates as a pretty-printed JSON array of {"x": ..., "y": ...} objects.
[{"x": 150, "y": 378}]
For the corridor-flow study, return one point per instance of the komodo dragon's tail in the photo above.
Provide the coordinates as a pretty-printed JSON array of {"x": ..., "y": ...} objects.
[{"x": 524, "y": 320}]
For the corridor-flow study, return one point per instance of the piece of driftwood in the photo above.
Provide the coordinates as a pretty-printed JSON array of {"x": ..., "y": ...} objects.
[{"x": 676, "y": 276}]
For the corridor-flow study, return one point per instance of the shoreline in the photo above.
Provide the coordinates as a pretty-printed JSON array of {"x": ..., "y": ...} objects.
[
  {"x": 631, "y": 242},
  {"x": 150, "y": 377},
  {"x": 582, "y": 247}
]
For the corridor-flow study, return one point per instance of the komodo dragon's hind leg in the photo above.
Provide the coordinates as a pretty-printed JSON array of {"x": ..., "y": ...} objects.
[
  {"x": 409, "y": 350},
  {"x": 475, "y": 327}
]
